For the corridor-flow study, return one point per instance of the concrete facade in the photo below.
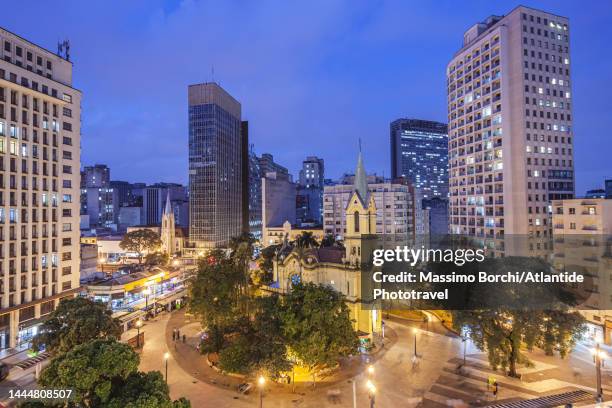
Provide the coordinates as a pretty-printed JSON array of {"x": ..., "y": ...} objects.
[
  {"x": 39, "y": 195},
  {"x": 510, "y": 125}
]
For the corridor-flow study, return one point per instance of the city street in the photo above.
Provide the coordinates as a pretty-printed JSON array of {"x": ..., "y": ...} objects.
[{"x": 434, "y": 381}]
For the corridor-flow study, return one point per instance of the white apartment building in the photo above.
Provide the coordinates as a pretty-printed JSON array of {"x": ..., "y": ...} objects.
[
  {"x": 40, "y": 115},
  {"x": 510, "y": 125},
  {"x": 394, "y": 209}
]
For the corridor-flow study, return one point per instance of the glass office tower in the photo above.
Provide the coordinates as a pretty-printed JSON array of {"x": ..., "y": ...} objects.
[{"x": 215, "y": 172}]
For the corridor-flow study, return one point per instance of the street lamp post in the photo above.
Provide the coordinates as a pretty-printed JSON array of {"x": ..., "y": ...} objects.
[
  {"x": 261, "y": 381},
  {"x": 371, "y": 393},
  {"x": 138, "y": 324},
  {"x": 147, "y": 292},
  {"x": 415, "y": 331},
  {"x": 464, "y": 340},
  {"x": 166, "y": 357},
  {"x": 599, "y": 355}
]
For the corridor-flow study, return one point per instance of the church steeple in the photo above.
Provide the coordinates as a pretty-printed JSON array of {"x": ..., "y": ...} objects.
[
  {"x": 167, "y": 229},
  {"x": 361, "y": 179},
  {"x": 168, "y": 208}
]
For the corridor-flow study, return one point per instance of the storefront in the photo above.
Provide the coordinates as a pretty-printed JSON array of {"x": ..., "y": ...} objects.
[
  {"x": 126, "y": 291},
  {"x": 5, "y": 331}
]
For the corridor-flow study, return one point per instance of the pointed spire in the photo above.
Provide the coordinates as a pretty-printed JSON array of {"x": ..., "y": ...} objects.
[
  {"x": 361, "y": 179},
  {"x": 168, "y": 208}
]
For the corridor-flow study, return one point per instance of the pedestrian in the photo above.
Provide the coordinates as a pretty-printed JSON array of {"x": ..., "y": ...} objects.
[
  {"x": 173, "y": 334},
  {"x": 184, "y": 338},
  {"x": 495, "y": 389},
  {"x": 178, "y": 333}
]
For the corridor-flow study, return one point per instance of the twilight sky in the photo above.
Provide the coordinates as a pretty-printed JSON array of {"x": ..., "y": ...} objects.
[{"x": 312, "y": 76}]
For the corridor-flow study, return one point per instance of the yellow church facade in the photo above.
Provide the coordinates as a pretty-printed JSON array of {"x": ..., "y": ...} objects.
[{"x": 337, "y": 267}]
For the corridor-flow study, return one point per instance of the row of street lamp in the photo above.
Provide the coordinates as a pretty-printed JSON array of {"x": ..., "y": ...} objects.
[{"x": 598, "y": 355}]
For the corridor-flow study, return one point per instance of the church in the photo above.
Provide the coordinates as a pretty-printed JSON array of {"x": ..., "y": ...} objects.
[{"x": 340, "y": 268}]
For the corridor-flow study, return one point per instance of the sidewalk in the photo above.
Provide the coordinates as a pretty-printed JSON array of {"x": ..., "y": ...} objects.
[{"x": 14, "y": 355}]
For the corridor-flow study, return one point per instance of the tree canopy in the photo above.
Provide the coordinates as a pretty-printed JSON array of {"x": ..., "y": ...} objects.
[
  {"x": 520, "y": 316},
  {"x": 140, "y": 241},
  {"x": 215, "y": 290},
  {"x": 329, "y": 240},
  {"x": 306, "y": 240},
  {"x": 258, "y": 346},
  {"x": 76, "y": 321},
  {"x": 317, "y": 325},
  {"x": 104, "y": 373}
]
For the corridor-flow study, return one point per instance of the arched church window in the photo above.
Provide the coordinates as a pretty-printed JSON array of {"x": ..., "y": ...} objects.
[{"x": 356, "y": 220}]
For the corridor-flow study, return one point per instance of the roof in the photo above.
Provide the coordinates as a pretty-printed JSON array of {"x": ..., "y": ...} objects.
[
  {"x": 331, "y": 254},
  {"x": 361, "y": 180}
]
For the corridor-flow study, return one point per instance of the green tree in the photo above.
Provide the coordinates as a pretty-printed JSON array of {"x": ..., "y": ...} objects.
[
  {"x": 329, "y": 240},
  {"x": 215, "y": 290},
  {"x": 76, "y": 321},
  {"x": 515, "y": 317},
  {"x": 157, "y": 258},
  {"x": 265, "y": 263},
  {"x": 104, "y": 373},
  {"x": 141, "y": 241},
  {"x": 316, "y": 323},
  {"x": 306, "y": 240},
  {"x": 504, "y": 334},
  {"x": 144, "y": 390},
  {"x": 242, "y": 254},
  {"x": 257, "y": 345}
]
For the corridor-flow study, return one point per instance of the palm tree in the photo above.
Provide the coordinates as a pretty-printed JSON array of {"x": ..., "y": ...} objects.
[
  {"x": 330, "y": 241},
  {"x": 306, "y": 240},
  {"x": 241, "y": 254}
]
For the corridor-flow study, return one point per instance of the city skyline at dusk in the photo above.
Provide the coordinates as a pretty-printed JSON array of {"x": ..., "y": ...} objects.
[{"x": 338, "y": 72}]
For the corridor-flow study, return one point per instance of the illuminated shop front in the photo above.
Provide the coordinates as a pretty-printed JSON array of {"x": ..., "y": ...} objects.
[{"x": 124, "y": 292}]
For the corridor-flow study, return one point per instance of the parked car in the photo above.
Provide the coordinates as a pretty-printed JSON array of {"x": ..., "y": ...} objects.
[
  {"x": 244, "y": 388},
  {"x": 4, "y": 371}
]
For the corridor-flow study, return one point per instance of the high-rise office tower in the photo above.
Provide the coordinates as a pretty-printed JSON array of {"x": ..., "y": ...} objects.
[
  {"x": 419, "y": 152},
  {"x": 510, "y": 124},
  {"x": 268, "y": 165},
  {"x": 255, "y": 203},
  {"x": 154, "y": 200},
  {"x": 215, "y": 166},
  {"x": 313, "y": 172},
  {"x": 309, "y": 204},
  {"x": 244, "y": 176},
  {"x": 39, "y": 190},
  {"x": 99, "y": 200},
  {"x": 97, "y": 175}
]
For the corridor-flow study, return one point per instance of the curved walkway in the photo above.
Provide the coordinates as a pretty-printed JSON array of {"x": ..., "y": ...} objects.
[{"x": 192, "y": 362}]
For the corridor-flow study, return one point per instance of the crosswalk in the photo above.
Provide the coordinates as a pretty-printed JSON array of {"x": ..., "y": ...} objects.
[
  {"x": 570, "y": 397},
  {"x": 468, "y": 388},
  {"x": 27, "y": 363}
]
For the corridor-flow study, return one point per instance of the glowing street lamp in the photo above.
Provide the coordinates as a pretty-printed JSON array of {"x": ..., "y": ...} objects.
[
  {"x": 371, "y": 370},
  {"x": 371, "y": 392},
  {"x": 138, "y": 324},
  {"x": 599, "y": 355},
  {"x": 166, "y": 357},
  {"x": 146, "y": 292},
  {"x": 261, "y": 381}
]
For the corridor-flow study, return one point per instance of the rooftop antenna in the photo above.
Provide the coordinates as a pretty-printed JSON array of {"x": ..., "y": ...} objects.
[
  {"x": 359, "y": 145},
  {"x": 212, "y": 70}
]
